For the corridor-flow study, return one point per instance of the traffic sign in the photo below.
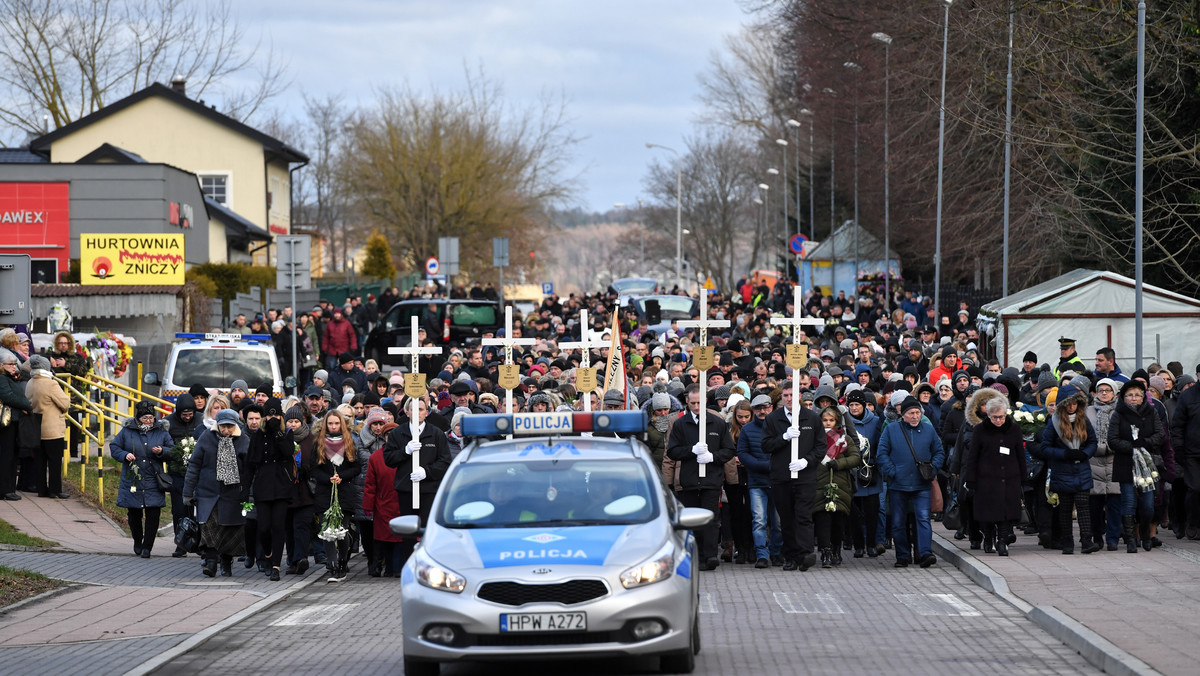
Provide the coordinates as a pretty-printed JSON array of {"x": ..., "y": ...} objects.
[
  {"x": 547, "y": 288},
  {"x": 796, "y": 243},
  {"x": 432, "y": 266}
]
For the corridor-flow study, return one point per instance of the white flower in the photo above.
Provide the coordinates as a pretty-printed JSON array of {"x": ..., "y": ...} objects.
[
  {"x": 1041, "y": 417},
  {"x": 337, "y": 460}
]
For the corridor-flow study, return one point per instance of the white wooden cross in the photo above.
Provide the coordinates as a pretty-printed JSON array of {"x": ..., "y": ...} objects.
[
  {"x": 508, "y": 342},
  {"x": 414, "y": 418},
  {"x": 585, "y": 344},
  {"x": 704, "y": 324},
  {"x": 796, "y": 322}
]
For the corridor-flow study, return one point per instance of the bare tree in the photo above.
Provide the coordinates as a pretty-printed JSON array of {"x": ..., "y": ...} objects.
[{"x": 65, "y": 59}]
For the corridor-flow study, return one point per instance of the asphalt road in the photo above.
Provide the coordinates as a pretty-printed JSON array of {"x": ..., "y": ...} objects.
[{"x": 864, "y": 617}]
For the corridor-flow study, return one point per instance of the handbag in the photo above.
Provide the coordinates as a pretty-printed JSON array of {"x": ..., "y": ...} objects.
[
  {"x": 928, "y": 473},
  {"x": 952, "y": 517},
  {"x": 187, "y": 537},
  {"x": 29, "y": 431},
  {"x": 164, "y": 481}
]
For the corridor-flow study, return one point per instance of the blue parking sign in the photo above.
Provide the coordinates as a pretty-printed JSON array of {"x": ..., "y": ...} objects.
[{"x": 547, "y": 288}]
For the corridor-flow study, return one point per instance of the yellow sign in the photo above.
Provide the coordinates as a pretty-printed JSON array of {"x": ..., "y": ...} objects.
[
  {"x": 509, "y": 376},
  {"x": 414, "y": 385},
  {"x": 703, "y": 356},
  {"x": 131, "y": 259},
  {"x": 708, "y": 284},
  {"x": 797, "y": 355},
  {"x": 585, "y": 379}
]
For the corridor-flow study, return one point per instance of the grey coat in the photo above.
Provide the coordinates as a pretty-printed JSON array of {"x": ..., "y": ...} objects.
[
  {"x": 1102, "y": 462},
  {"x": 201, "y": 481},
  {"x": 131, "y": 440}
]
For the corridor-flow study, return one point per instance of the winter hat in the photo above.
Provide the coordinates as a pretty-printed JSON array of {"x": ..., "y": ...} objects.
[
  {"x": 659, "y": 401},
  {"x": 614, "y": 398},
  {"x": 721, "y": 392},
  {"x": 909, "y": 403},
  {"x": 322, "y": 374},
  {"x": 1132, "y": 385},
  {"x": 760, "y": 400},
  {"x": 856, "y": 397},
  {"x": 1030, "y": 356},
  {"x": 1114, "y": 385},
  {"x": 1052, "y": 395},
  {"x": 643, "y": 394},
  {"x": 1046, "y": 380},
  {"x": 1083, "y": 383},
  {"x": 277, "y": 325},
  {"x": 1182, "y": 381},
  {"x": 1158, "y": 384},
  {"x": 273, "y": 407},
  {"x": 227, "y": 416},
  {"x": 375, "y": 415},
  {"x": 898, "y": 398},
  {"x": 38, "y": 362},
  {"x": 198, "y": 390},
  {"x": 239, "y": 385},
  {"x": 541, "y": 398},
  {"x": 347, "y": 397},
  {"x": 294, "y": 413},
  {"x": 961, "y": 374},
  {"x": 143, "y": 408}
]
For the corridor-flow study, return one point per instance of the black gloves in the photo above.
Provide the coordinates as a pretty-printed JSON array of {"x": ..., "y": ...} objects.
[{"x": 1075, "y": 455}]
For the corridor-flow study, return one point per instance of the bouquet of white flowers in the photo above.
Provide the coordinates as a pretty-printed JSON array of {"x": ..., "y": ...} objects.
[
  {"x": 331, "y": 522},
  {"x": 1031, "y": 423},
  {"x": 1144, "y": 474},
  {"x": 180, "y": 454}
]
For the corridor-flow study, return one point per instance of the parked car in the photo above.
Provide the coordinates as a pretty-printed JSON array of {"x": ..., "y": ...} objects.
[
  {"x": 456, "y": 321},
  {"x": 660, "y": 311}
]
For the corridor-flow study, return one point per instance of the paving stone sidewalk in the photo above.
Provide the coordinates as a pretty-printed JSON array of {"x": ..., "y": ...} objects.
[
  {"x": 1144, "y": 603},
  {"x": 74, "y": 525}
]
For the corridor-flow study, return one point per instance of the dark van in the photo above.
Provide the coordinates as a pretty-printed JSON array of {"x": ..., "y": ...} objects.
[{"x": 456, "y": 321}]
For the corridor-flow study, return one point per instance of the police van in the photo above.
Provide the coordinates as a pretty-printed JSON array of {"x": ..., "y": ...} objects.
[{"x": 215, "y": 360}]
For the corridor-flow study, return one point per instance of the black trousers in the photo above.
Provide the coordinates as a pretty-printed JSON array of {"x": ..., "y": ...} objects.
[
  {"x": 144, "y": 534},
  {"x": 272, "y": 529},
  {"x": 864, "y": 517},
  {"x": 48, "y": 473},
  {"x": 708, "y": 536},
  {"x": 299, "y": 535},
  {"x": 740, "y": 528},
  {"x": 8, "y": 459},
  {"x": 794, "y": 501},
  {"x": 829, "y": 527}
]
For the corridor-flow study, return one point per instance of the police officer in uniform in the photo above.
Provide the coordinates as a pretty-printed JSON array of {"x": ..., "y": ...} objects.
[{"x": 1068, "y": 358}]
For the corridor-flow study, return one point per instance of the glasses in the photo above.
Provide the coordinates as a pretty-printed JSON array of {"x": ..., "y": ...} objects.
[{"x": 998, "y": 416}]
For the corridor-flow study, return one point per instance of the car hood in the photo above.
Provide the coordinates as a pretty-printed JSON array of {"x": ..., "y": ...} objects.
[{"x": 486, "y": 548}]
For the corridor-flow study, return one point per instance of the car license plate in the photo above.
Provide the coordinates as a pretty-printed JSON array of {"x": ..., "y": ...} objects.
[{"x": 533, "y": 622}]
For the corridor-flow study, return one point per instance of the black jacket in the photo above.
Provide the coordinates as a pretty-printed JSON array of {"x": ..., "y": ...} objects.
[
  {"x": 434, "y": 457},
  {"x": 811, "y": 444},
  {"x": 685, "y": 433},
  {"x": 272, "y": 463},
  {"x": 1185, "y": 423},
  {"x": 322, "y": 472}
]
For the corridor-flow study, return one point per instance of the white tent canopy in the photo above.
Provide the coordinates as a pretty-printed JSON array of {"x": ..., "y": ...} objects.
[{"x": 1096, "y": 308}]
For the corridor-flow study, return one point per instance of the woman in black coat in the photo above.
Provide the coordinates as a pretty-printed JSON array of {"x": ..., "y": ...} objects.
[
  {"x": 217, "y": 482},
  {"x": 273, "y": 486},
  {"x": 300, "y": 511},
  {"x": 992, "y": 472},
  {"x": 1068, "y": 444},
  {"x": 336, "y": 462},
  {"x": 1134, "y": 425}
]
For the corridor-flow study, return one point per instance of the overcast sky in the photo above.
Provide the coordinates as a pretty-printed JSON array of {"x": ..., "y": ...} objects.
[{"x": 628, "y": 68}]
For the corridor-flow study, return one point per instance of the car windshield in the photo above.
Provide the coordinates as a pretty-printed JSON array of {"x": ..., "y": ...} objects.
[
  {"x": 634, "y": 285},
  {"x": 220, "y": 366},
  {"x": 548, "y": 493},
  {"x": 671, "y": 307}
]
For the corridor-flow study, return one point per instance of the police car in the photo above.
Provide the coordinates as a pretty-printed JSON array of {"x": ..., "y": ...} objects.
[
  {"x": 551, "y": 545},
  {"x": 215, "y": 360}
]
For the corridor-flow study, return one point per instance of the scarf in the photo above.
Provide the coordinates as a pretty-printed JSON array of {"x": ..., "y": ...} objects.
[
  {"x": 334, "y": 446},
  {"x": 835, "y": 443},
  {"x": 145, "y": 429},
  {"x": 1103, "y": 417},
  {"x": 661, "y": 422},
  {"x": 1059, "y": 426},
  {"x": 227, "y": 468},
  {"x": 301, "y": 433}
]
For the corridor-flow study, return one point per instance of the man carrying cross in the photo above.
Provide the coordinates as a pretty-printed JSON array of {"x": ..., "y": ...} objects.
[
  {"x": 686, "y": 447},
  {"x": 509, "y": 376}
]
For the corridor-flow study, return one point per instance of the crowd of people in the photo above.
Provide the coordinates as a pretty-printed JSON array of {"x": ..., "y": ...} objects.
[{"x": 902, "y": 422}]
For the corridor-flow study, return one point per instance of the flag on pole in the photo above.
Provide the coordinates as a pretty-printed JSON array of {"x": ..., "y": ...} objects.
[{"x": 614, "y": 371}]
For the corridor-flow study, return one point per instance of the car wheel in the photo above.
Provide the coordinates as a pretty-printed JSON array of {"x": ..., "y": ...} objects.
[
  {"x": 418, "y": 668},
  {"x": 684, "y": 661}
]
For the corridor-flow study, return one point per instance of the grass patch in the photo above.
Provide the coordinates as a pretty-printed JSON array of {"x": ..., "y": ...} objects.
[
  {"x": 91, "y": 492},
  {"x": 16, "y": 585},
  {"x": 12, "y": 536}
]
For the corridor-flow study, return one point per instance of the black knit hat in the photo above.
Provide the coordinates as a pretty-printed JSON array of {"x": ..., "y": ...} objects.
[
  {"x": 294, "y": 413},
  {"x": 143, "y": 408}
]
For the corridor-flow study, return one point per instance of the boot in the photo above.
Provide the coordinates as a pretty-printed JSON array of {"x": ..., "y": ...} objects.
[
  {"x": 1087, "y": 544},
  {"x": 826, "y": 557},
  {"x": 148, "y": 543},
  {"x": 1127, "y": 531},
  {"x": 135, "y": 529},
  {"x": 1144, "y": 528},
  {"x": 727, "y": 551},
  {"x": 989, "y": 539},
  {"x": 226, "y": 566},
  {"x": 210, "y": 567},
  {"x": 375, "y": 568}
]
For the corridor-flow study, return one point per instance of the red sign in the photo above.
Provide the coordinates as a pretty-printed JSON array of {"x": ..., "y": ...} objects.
[
  {"x": 36, "y": 220},
  {"x": 279, "y": 229}
]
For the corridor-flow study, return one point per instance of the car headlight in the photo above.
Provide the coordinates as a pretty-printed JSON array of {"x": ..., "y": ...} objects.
[
  {"x": 654, "y": 569},
  {"x": 435, "y": 576}
]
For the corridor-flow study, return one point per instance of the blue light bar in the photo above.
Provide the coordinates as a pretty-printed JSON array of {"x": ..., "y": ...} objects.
[{"x": 547, "y": 424}]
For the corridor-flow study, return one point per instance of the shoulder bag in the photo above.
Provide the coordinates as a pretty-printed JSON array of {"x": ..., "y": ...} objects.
[{"x": 926, "y": 469}]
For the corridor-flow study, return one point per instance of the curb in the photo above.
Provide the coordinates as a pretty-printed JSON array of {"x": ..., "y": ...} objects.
[
  {"x": 1097, "y": 650},
  {"x": 200, "y": 637},
  {"x": 40, "y": 597}
]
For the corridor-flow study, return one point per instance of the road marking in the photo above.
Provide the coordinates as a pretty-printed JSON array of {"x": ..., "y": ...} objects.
[
  {"x": 938, "y": 604},
  {"x": 809, "y": 604},
  {"x": 323, "y": 614},
  {"x": 707, "y": 603}
]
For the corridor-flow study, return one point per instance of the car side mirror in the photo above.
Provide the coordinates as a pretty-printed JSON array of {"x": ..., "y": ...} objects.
[
  {"x": 151, "y": 378},
  {"x": 690, "y": 518},
  {"x": 411, "y": 524}
]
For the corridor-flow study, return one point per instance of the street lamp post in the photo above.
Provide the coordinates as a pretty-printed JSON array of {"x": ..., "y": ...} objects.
[
  {"x": 887, "y": 170},
  {"x": 678, "y": 211},
  {"x": 766, "y": 202},
  {"x": 1008, "y": 94},
  {"x": 784, "y": 196},
  {"x": 937, "y": 246},
  {"x": 832, "y": 200},
  {"x": 796, "y": 126},
  {"x": 1139, "y": 186},
  {"x": 812, "y": 193},
  {"x": 857, "y": 69}
]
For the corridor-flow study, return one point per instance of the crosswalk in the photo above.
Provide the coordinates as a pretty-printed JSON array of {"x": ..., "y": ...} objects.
[{"x": 925, "y": 605}]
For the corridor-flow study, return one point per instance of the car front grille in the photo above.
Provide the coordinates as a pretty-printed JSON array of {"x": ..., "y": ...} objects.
[
  {"x": 523, "y": 640},
  {"x": 566, "y": 593}
]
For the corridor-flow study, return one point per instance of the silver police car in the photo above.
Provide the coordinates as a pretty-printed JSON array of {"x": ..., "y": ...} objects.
[{"x": 550, "y": 547}]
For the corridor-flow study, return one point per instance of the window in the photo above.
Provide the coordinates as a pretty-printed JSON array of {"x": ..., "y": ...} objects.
[{"x": 215, "y": 186}]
